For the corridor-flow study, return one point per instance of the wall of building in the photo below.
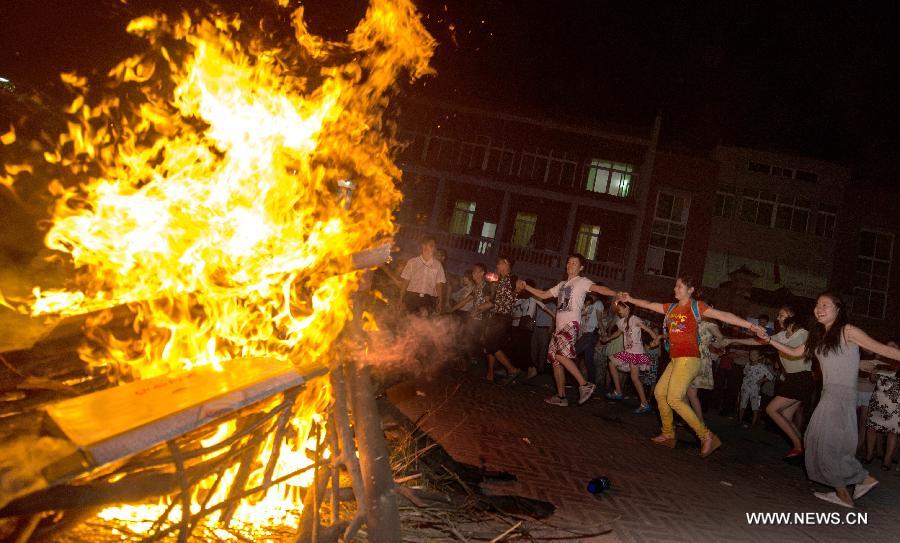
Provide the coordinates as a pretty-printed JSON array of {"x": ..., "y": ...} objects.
[
  {"x": 696, "y": 177},
  {"x": 874, "y": 209},
  {"x": 798, "y": 260}
]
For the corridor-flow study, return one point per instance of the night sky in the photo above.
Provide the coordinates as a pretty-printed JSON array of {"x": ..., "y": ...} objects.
[{"x": 819, "y": 80}]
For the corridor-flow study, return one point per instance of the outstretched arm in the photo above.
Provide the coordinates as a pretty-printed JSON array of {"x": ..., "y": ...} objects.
[
  {"x": 862, "y": 339},
  {"x": 542, "y": 294},
  {"x": 650, "y": 306},
  {"x": 605, "y": 291},
  {"x": 752, "y": 342},
  {"x": 731, "y": 318}
]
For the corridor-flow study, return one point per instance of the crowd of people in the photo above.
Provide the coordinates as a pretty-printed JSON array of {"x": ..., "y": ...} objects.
[{"x": 836, "y": 410}]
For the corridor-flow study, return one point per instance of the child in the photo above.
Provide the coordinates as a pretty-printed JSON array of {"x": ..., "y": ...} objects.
[
  {"x": 633, "y": 358},
  {"x": 755, "y": 374}
]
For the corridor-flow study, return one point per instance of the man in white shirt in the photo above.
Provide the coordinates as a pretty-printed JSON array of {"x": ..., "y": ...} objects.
[
  {"x": 569, "y": 296},
  {"x": 423, "y": 281}
]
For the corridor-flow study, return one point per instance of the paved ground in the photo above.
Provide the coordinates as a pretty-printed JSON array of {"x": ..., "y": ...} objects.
[{"x": 658, "y": 494}]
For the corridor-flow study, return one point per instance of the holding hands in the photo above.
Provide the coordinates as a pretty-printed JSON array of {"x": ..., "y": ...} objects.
[
  {"x": 760, "y": 332},
  {"x": 520, "y": 285},
  {"x": 623, "y": 297}
]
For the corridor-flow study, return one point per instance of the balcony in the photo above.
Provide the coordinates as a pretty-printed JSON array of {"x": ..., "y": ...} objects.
[
  {"x": 537, "y": 167},
  {"x": 545, "y": 267}
]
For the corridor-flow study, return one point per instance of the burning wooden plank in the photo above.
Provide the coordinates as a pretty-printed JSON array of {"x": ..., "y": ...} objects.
[{"x": 115, "y": 423}]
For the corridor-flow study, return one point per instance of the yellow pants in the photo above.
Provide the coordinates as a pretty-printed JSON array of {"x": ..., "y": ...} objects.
[{"x": 670, "y": 394}]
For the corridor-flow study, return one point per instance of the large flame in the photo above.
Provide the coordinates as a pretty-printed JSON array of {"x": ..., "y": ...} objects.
[{"x": 221, "y": 188}]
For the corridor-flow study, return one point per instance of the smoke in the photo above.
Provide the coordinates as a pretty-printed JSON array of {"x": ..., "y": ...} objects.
[{"x": 410, "y": 344}]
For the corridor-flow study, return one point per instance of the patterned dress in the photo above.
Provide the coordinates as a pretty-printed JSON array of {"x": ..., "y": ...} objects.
[
  {"x": 704, "y": 378},
  {"x": 884, "y": 408}
]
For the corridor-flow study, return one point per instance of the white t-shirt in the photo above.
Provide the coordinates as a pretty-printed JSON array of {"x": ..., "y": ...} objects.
[
  {"x": 631, "y": 334},
  {"x": 423, "y": 276},
  {"x": 570, "y": 299},
  {"x": 793, "y": 364}
]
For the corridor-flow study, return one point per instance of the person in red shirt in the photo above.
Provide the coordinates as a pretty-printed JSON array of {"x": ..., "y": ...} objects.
[{"x": 681, "y": 326}]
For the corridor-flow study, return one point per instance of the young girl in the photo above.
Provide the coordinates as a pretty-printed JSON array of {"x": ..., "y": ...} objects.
[
  {"x": 681, "y": 325},
  {"x": 755, "y": 374},
  {"x": 831, "y": 436},
  {"x": 633, "y": 359}
]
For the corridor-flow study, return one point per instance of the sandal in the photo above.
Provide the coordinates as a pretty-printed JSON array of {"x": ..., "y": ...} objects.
[
  {"x": 714, "y": 443},
  {"x": 863, "y": 489},
  {"x": 664, "y": 440}
]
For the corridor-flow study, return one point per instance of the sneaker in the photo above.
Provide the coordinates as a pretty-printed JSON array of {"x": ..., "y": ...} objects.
[
  {"x": 584, "y": 392},
  {"x": 615, "y": 396},
  {"x": 642, "y": 410},
  {"x": 556, "y": 400}
]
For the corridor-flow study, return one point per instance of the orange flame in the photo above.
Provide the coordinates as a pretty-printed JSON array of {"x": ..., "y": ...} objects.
[{"x": 212, "y": 194}]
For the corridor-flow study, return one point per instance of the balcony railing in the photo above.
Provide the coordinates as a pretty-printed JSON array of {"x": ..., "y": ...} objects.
[{"x": 543, "y": 265}]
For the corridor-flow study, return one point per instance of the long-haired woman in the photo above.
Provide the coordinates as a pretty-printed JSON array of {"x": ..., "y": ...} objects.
[
  {"x": 831, "y": 436},
  {"x": 682, "y": 324}
]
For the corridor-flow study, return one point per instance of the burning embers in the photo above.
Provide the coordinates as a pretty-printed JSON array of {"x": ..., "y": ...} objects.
[{"x": 206, "y": 193}]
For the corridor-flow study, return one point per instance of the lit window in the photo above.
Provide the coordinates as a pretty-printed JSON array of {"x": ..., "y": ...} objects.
[
  {"x": 873, "y": 271},
  {"x": 523, "y": 229},
  {"x": 463, "y": 214},
  {"x": 588, "y": 241},
  {"x": 607, "y": 177},
  {"x": 488, "y": 231}
]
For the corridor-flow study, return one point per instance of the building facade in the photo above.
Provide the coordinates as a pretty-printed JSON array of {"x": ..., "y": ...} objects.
[
  {"x": 775, "y": 217},
  {"x": 866, "y": 267},
  {"x": 486, "y": 183}
]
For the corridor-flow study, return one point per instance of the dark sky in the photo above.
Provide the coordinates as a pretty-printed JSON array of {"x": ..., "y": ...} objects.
[{"x": 818, "y": 79}]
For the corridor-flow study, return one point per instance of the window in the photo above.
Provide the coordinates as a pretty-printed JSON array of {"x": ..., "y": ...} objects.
[
  {"x": 500, "y": 160},
  {"x": 668, "y": 234},
  {"x": 826, "y": 218},
  {"x": 792, "y": 213},
  {"x": 607, "y": 177},
  {"x": 534, "y": 165},
  {"x": 873, "y": 270},
  {"x": 441, "y": 151},
  {"x": 561, "y": 170},
  {"x": 463, "y": 213},
  {"x": 725, "y": 198},
  {"x": 587, "y": 241},
  {"x": 488, "y": 231},
  {"x": 523, "y": 229},
  {"x": 759, "y": 167},
  {"x": 758, "y": 207},
  {"x": 473, "y": 154},
  {"x": 806, "y": 176}
]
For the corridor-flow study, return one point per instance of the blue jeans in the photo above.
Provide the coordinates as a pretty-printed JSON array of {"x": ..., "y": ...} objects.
[{"x": 585, "y": 345}]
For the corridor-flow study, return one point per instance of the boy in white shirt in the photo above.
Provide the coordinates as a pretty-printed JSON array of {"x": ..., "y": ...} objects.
[{"x": 570, "y": 295}]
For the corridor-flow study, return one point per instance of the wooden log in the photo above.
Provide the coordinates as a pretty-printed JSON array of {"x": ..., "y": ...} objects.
[{"x": 382, "y": 511}]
